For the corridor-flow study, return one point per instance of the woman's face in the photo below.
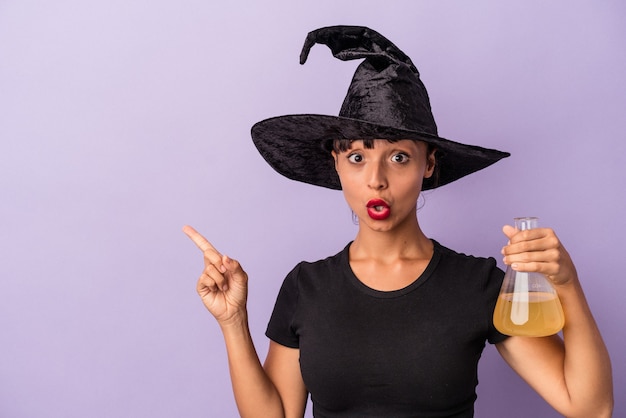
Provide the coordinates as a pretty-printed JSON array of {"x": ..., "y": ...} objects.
[{"x": 382, "y": 184}]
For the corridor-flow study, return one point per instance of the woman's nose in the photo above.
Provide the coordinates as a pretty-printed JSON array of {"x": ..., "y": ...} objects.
[{"x": 377, "y": 178}]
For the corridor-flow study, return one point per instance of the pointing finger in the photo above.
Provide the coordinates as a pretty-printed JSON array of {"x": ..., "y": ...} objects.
[
  {"x": 211, "y": 255},
  {"x": 202, "y": 243}
]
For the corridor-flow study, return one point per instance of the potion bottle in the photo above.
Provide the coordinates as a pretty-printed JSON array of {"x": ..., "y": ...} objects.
[{"x": 527, "y": 304}]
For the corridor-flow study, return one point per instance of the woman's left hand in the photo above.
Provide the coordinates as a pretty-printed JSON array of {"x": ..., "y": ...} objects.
[
  {"x": 538, "y": 250},
  {"x": 573, "y": 374}
]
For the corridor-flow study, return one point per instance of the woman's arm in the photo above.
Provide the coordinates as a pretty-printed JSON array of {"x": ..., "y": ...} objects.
[
  {"x": 275, "y": 390},
  {"x": 572, "y": 374},
  {"x": 282, "y": 365},
  {"x": 223, "y": 288}
]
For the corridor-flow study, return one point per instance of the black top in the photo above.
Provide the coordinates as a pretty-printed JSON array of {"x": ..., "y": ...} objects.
[{"x": 411, "y": 352}]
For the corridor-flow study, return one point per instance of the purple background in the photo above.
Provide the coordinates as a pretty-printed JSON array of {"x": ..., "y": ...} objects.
[{"x": 121, "y": 121}]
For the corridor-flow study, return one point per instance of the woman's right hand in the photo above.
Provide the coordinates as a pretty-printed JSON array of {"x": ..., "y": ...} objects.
[{"x": 223, "y": 285}]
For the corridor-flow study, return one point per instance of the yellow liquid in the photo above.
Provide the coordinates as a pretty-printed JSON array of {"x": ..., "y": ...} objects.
[{"x": 542, "y": 316}]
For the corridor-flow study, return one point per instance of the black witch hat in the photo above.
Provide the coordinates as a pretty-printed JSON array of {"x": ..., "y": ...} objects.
[{"x": 386, "y": 100}]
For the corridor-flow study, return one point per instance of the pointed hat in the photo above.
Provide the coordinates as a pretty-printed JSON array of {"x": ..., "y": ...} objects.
[{"x": 386, "y": 100}]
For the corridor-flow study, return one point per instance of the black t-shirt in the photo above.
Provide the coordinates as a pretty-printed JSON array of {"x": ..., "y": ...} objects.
[{"x": 411, "y": 352}]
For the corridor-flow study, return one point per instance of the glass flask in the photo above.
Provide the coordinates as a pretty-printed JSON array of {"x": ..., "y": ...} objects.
[{"x": 527, "y": 304}]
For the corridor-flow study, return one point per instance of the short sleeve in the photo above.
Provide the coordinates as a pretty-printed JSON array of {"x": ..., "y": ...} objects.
[
  {"x": 280, "y": 327},
  {"x": 493, "y": 290}
]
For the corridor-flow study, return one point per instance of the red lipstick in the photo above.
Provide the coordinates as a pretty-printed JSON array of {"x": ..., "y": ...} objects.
[{"x": 378, "y": 209}]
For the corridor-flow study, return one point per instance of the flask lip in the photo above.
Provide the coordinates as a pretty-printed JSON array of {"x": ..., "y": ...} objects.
[{"x": 526, "y": 222}]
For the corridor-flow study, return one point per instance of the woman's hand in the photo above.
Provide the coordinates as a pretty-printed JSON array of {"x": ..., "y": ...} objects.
[
  {"x": 538, "y": 250},
  {"x": 223, "y": 285}
]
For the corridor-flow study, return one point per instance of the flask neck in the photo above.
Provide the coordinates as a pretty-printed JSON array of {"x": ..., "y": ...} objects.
[{"x": 525, "y": 223}]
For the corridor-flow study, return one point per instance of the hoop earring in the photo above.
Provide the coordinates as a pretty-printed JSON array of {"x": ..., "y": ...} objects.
[{"x": 421, "y": 204}]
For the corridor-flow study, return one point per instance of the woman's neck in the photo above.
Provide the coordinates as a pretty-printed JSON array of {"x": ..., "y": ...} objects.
[
  {"x": 390, "y": 260},
  {"x": 405, "y": 243}
]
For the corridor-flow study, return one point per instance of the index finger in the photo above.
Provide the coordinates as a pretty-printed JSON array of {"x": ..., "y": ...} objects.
[
  {"x": 198, "y": 239},
  {"x": 529, "y": 235}
]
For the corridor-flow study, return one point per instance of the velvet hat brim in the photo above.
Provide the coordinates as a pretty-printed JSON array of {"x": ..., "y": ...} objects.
[{"x": 298, "y": 147}]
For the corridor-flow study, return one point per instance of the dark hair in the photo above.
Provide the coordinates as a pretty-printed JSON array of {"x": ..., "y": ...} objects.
[{"x": 343, "y": 145}]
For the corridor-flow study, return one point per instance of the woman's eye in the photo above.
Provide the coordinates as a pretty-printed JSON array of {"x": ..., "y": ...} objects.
[
  {"x": 355, "y": 158},
  {"x": 400, "y": 158}
]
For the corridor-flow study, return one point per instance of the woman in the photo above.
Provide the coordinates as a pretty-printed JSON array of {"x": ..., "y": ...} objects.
[{"x": 393, "y": 325}]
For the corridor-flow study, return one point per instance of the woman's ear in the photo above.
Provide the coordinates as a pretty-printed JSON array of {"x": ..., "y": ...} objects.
[
  {"x": 334, "y": 154},
  {"x": 431, "y": 161}
]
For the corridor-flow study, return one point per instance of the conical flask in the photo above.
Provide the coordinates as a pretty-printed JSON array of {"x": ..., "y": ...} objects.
[{"x": 527, "y": 304}]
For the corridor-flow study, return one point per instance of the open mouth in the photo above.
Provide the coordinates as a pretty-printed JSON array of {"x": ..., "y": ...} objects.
[{"x": 378, "y": 209}]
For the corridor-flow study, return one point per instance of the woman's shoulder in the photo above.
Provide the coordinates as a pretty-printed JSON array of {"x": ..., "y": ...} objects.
[
  {"x": 454, "y": 257},
  {"x": 469, "y": 271},
  {"x": 331, "y": 261},
  {"x": 321, "y": 269}
]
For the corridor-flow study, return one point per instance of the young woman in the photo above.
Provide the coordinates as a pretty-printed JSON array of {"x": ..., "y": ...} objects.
[{"x": 393, "y": 325}]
